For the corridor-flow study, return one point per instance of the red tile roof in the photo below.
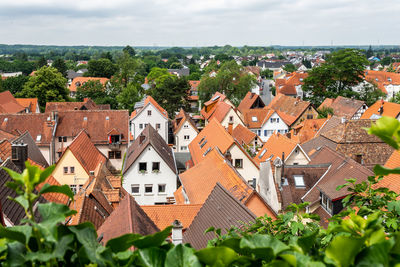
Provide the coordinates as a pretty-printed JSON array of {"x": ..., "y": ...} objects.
[
  {"x": 289, "y": 108},
  {"x": 8, "y": 104},
  {"x": 87, "y": 104},
  {"x": 307, "y": 130},
  {"x": 391, "y": 181},
  {"x": 79, "y": 81},
  {"x": 382, "y": 78},
  {"x": 382, "y": 108},
  {"x": 274, "y": 147},
  {"x": 256, "y": 118},
  {"x": 5, "y": 150},
  {"x": 180, "y": 120},
  {"x": 243, "y": 135},
  {"x": 30, "y": 103},
  {"x": 249, "y": 100},
  {"x": 288, "y": 85},
  {"x": 151, "y": 100},
  {"x": 218, "y": 111}
]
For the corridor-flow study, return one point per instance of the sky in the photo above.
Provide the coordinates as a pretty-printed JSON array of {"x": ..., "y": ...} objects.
[{"x": 200, "y": 22}]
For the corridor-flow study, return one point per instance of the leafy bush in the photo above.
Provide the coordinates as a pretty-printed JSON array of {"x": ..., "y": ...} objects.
[{"x": 369, "y": 237}]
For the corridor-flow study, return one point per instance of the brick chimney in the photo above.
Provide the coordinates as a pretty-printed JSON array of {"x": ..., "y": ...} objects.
[
  {"x": 19, "y": 154},
  {"x": 230, "y": 128},
  {"x": 228, "y": 156}
]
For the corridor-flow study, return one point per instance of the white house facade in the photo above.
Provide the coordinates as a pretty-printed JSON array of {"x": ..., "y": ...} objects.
[
  {"x": 184, "y": 136},
  {"x": 274, "y": 124}
]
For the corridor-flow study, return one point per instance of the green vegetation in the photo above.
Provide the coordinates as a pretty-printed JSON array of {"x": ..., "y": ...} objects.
[{"x": 324, "y": 112}]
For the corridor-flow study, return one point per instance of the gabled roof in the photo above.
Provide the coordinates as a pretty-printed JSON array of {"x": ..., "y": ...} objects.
[
  {"x": 251, "y": 100},
  {"x": 289, "y": 108},
  {"x": 326, "y": 103},
  {"x": 164, "y": 215},
  {"x": 382, "y": 78},
  {"x": 147, "y": 101},
  {"x": 344, "y": 107},
  {"x": 30, "y": 103},
  {"x": 33, "y": 150},
  {"x": 79, "y": 81},
  {"x": 243, "y": 135},
  {"x": 180, "y": 120},
  {"x": 97, "y": 123},
  {"x": 128, "y": 217},
  {"x": 8, "y": 104},
  {"x": 86, "y": 153},
  {"x": 6, "y": 135},
  {"x": 307, "y": 130},
  {"x": 216, "y": 97},
  {"x": 382, "y": 108},
  {"x": 221, "y": 210},
  {"x": 256, "y": 118},
  {"x": 218, "y": 112},
  {"x": 87, "y": 104},
  {"x": 341, "y": 168},
  {"x": 149, "y": 136},
  {"x": 274, "y": 147}
]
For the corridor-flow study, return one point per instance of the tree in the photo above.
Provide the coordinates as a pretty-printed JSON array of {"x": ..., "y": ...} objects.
[
  {"x": 129, "y": 96},
  {"x": 369, "y": 52},
  {"x": 102, "y": 67},
  {"x": 267, "y": 73},
  {"x": 60, "y": 65},
  {"x": 290, "y": 67},
  {"x": 324, "y": 112},
  {"x": 172, "y": 94},
  {"x": 175, "y": 65},
  {"x": 128, "y": 49},
  {"x": 307, "y": 63},
  {"x": 41, "y": 62},
  {"x": 386, "y": 61},
  {"x": 342, "y": 70},
  {"x": 97, "y": 92},
  {"x": 13, "y": 84},
  {"x": 128, "y": 67},
  {"x": 370, "y": 93},
  {"x": 157, "y": 76},
  {"x": 48, "y": 85}
]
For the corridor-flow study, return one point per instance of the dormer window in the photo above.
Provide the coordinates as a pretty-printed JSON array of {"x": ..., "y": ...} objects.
[
  {"x": 38, "y": 138},
  {"x": 254, "y": 119},
  {"x": 114, "y": 139}
]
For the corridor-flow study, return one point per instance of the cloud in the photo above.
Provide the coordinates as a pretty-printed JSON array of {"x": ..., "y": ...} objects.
[{"x": 200, "y": 22}]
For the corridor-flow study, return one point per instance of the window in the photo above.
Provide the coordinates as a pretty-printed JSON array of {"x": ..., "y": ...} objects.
[
  {"x": 156, "y": 166},
  {"x": 201, "y": 140},
  {"x": 299, "y": 180},
  {"x": 259, "y": 132},
  {"x": 277, "y": 120},
  {"x": 65, "y": 170},
  {"x": 38, "y": 138},
  {"x": 140, "y": 125},
  {"x": 270, "y": 132},
  {"x": 310, "y": 117},
  {"x": 265, "y": 132},
  {"x": 186, "y": 137},
  {"x": 118, "y": 154},
  {"x": 185, "y": 126},
  {"x": 359, "y": 159},
  {"x": 205, "y": 142},
  {"x": 114, "y": 139},
  {"x": 161, "y": 188},
  {"x": 62, "y": 139},
  {"x": 135, "y": 189},
  {"x": 158, "y": 126},
  {"x": 14, "y": 153},
  {"x": 262, "y": 153},
  {"x": 148, "y": 188},
  {"x": 239, "y": 163},
  {"x": 184, "y": 148},
  {"x": 73, "y": 188},
  {"x": 114, "y": 154},
  {"x": 142, "y": 166},
  {"x": 208, "y": 150},
  {"x": 149, "y": 113},
  {"x": 254, "y": 118},
  {"x": 272, "y": 120},
  {"x": 230, "y": 118},
  {"x": 72, "y": 169}
]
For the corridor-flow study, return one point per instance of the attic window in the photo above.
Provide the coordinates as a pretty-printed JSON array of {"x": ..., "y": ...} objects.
[
  {"x": 85, "y": 118},
  {"x": 215, "y": 98},
  {"x": 254, "y": 118},
  {"x": 107, "y": 118},
  {"x": 5, "y": 119},
  {"x": 202, "y": 139},
  {"x": 38, "y": 138},
  {"x": 299, "y": 180},
  {"x": 205, "y": 142},
  {"x": 262, "y": 153},
  {"x": 208, "y": 150}
]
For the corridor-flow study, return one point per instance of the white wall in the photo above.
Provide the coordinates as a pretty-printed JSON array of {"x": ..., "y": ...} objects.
[
  {"x": 45, "y": 152},
  {"x": 272, "y": 126},
  {"x": 116, "y": 163},
  {"x": 297, "y": 157},
  {"x": 186, "y": 129},
  {"x": 236, "y": 119},
  {"x": 249, "y": 170},
  {"x": 266, "y": 186},
  {"x": 165, "y": 176},
  {"x": 143, "y": 118}
]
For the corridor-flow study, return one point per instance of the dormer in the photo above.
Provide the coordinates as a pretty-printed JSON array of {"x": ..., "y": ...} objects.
[{"x": 114, "y": 138}]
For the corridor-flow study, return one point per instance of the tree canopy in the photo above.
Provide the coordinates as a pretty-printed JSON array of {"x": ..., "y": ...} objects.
[{"x": 102, "y": 67}]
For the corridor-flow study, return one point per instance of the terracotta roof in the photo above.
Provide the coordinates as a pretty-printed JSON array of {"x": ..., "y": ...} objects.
[
  {"x": 8, "y": 104},
  {"x": 6, "y": 135},
  {"x": 147, "y": 101},
  {"x": 218, "y": 111},
  {"x": 256, "y": 118},
  {"x": 86, "y": 153},
  {"x": 288, "y": 108},
  {"x": 52, "y": 197},
  {"x": 194, "y": 85},
  {"x": 79, "y": 81},
  {"x": 382, "y": 78},
  {"x": 287, "y": 86},
  {"x": 382, "y": 108},
  {"x": 323, "y": 215},
  {"x": 180, "y": 120},
  {"x": 391, "y": 181},
  {"x": 243, "y": 135},
  {"x": 251, "y": 100},
  {"x": 151, "y": 137},
  {"x": 130, "y": 218},
  {"x": 164, "y": 215},
  {"x": 217, "y": 96},
  {"x": 221, "y": 210},
  {"x": 326, "y": 104},
  {"x": 274, "y": 147},
  {"x": 97, "y": 123},
  {"x": 344, "y": 107},
  {"x": 87, "y": 104},
  {"x": 5, "y": 150},
  {"x": 30, "y": 103},
  {"x": 307, "y": 130},
  {"x": 178, "y": 195}
]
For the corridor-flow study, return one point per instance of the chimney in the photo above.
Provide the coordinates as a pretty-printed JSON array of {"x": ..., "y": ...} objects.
[
  {"x": 177, "y": 236},
  {"x": 142, "y": 138},
  {"x": 230, "y": 128},
  {"x": 19, "y": 154},
  {"x": 228, "y": 156},
  {"x": 254, "y": 183}
]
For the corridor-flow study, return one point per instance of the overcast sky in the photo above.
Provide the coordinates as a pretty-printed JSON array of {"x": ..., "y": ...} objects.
[{"x": 200, "y": 22}]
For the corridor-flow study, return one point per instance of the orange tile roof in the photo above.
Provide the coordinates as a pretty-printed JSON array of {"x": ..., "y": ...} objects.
[
  {"x": 86, "y": 153},
  {"x": 213, "y": 135},
  {"x": 389, "y": 109},
  {"x": 79, "y": 81},
  {"x": 248, "y": 101},
  {"x": 288, "y": 108},
  {"x": 151, "y": 100},
  {"x": 327, "y": 103},
  {"x": 391, "y": 181},
  {"x": 5, "y": 150},
  {"x": 262, "y": 115},
  {"x": 275, "y": 145},
  {"x": 218, "y": 111},
  {"x": 179, "y": 199},
  {"x": 288, "y": 85},
  {"x": 307, "y": 130},
  {"x": 30, "y": 103},
  {"x": 52, "y": 197},
  {"x": 243, "y": 135},
  {"x": 6, "y": 135},
  {"x": 8, "y": 104},
  {"x": 216, "y": 97},
  {"x": 164, "y": 215},
  {"x": 382, "y": 78},
  {"x": 182, "y": 117},
  {"x": 194, "y": 85}
]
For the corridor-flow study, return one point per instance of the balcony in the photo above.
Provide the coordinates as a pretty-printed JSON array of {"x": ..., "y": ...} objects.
[{"x": 114, "y": 146}]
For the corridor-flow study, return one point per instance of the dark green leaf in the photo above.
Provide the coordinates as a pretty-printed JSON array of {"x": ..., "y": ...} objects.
[
  {"x": 15, "y": 255},
  {"x": 380, "y": 170},
  {"x": 181, "y": 256},
  {"x": 262, "y": 246},
  {"x": 154, "y": 240},
  {"x": 46, "y": 173},
  {"x": 64, "y": 189},
  {"x": 18, "y": 233},
  {"x": 344, "y": 249},
  {"x": 375, "y": 255},
  {"x": 307, "y": 241},
  {"x": 122, "y": 243},
  {"x": 152, "y": 257}
]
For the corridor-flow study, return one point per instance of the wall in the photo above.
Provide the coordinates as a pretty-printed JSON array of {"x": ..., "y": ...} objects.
[
  {"x": 309, "y": 111},
  {"x": 266, "y": 186},
  {"x": 297, "y": 156},
  {"x": 165, "y": 176},
  {"x": 45, "y": 150},
  {"x": 249, "y": 170},
  {"x": 273, "y": 126},
  {"x": 116, "y": 163},
  {"x": 179, "y": 137},
  {"x": 236, "y": 119},
  {"x": 68, "y": 160},
  {"x": 143, "y": 118}
]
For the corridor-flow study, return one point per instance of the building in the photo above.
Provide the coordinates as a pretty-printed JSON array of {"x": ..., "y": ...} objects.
[
  {"x": 387, "y": 82},
  {"x": 350, "y": 109},
  {"x": 31, "y": 105},
  {"x": 149, "y": 112},
  {"x": 193, "y": 97},
  {"x": 251, "y": 101},
  {"x": 291, "y": 84},
  {"x": 382, "y": 108},
  {"x": 8, "y": 104},
  {"x": 149, "y": 172},
  {"x": 79, "y": 81},
  {"x": 185, "y": 131},
  {"x": 246, "y": 138},
  {"x": 87, "y": 104}
]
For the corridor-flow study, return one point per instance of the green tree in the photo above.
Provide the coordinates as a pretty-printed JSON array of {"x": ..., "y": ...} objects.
[
  {"x": 157, "y": 76},
  {"x": 369, "y": 52},
  {"x": 41, "y": 62},
  {"x": 370, "y": 93},
  {"x": 129, "y": 96},
  {"x": 175, "y": 65},
  {"x": 128, "y": 69},
  {"x": 60, "y": 65},
  {"x": 48, "y": 85},
  {"x": 290, "y": 68},
  {"x": 342, "y": 70},
  {"x": 13, "y": 84},
  {"x": 97, "y": 92},
  {"x": 324, "y": 112},
  {"x": 267, "y": 73},
  {"x": 102, "y": 67},
  {"x": 386, "y": 61},
  {"x": 128, "y": 49}
]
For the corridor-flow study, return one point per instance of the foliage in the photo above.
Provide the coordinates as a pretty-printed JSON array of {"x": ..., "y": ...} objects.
[
  {"x": 95, "y": 90},
  {"x": 13, "y": 84},
  {"x": 157, "y": 76},
  {"x": 290, "y": 68},
  {"x": 324, "y": 112},
  {"x": 267, "y": 74},
  {"x": 395, "y": 98},
  {"x": 60, "y": 65},
  {"x": 342, "y": 71},
  {"x": 129, "y": 96},
  {"x": 102, "y": 67},
  {"x": 370, "y": 93},
  {"x": 48, "y": 85},
  {"x": 41, "y": 62},
  {"x": 128, "y": 49}
]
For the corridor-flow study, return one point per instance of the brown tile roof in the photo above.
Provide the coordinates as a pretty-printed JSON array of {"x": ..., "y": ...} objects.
[
  {"x": 151, "y": 137},
  {"x": 79, "y": 81},
  {"x": 382, "y": 108},
  {"x": 164, "y": 215},
  {"x": 326, "y": 104},
  {"x": 5, "y": 150},
  {"x": 220, "y": 210},
  {"x": 180, "y": 120},
  {"x": 251, "y": 100},
  {"x": 8, "y": 104},
  {"x": 323, "y": 215},
  {"x": 30, "y": 103},
  {"x": 6, "y": 135},
  {"x": 274, "y": 147},
  {"x": 130, "y": 218},
  {"x": 307, "y": 130},
  {"x": 243, "y": 135},
  {"x": 86, "y": 153},
  {"x": 35, "y": 123},
  {"x": 288, "y": 108},
  {"x": 87, "y": 104},
  {"x": 312, "y": 145},
  {"x": 345, "y": 107},
  {"x": 97, "y": 124}
]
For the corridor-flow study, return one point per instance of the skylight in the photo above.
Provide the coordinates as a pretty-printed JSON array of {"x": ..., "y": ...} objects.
[
  {"x": 215, "y": 98},
  {"x": 262, "y": 153},
  {"x": 208, "y": 150},
  {"x": 85, "y": 118},
  {"x": 254, "y": 118},
  {"x": 5, "y": 119},
  {"x": 38, "y": 138},
  {"x": 107, "y": 118},
  {"x": 299, "y": 180}
]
